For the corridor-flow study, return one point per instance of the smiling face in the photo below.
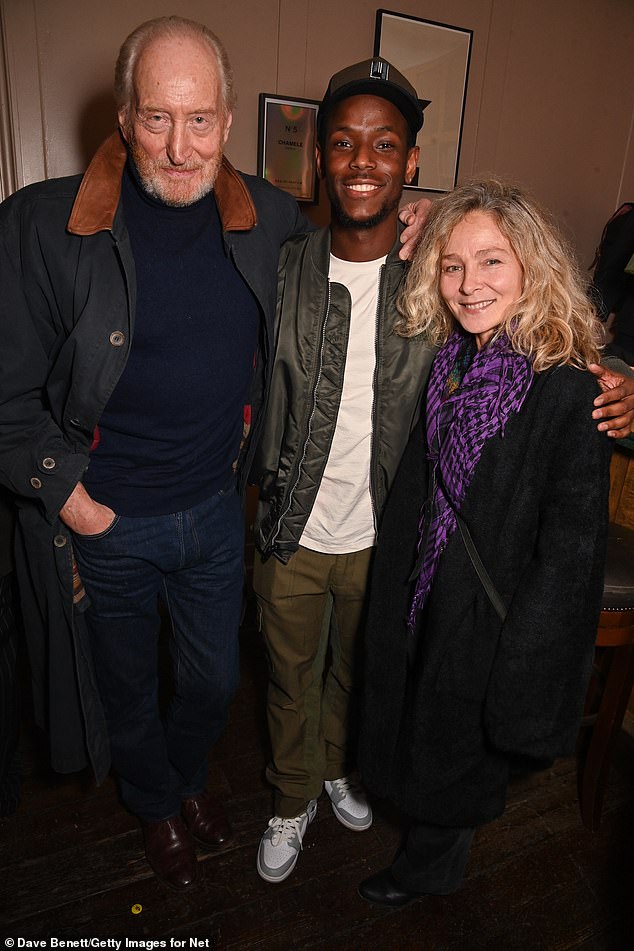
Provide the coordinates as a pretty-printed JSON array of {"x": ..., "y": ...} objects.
[
  {"x": 480, "y": 276},
  {"x": 176, "y": 126},
  {"x": 365, "y": 160}
]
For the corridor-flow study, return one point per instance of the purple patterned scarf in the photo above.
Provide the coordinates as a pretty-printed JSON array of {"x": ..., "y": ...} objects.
[{"x": 461, "y": 415}]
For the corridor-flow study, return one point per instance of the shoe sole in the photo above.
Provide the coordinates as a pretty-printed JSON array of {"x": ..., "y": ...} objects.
[
  {"x": 388, "y": 904},
  {"x": 180, "y": 889},
  {"x": 349, "y": 825},
  {"x": 214, "y": 848},
  {"x": 273, "y": 880},
  {"x": 176, "y": 888}
]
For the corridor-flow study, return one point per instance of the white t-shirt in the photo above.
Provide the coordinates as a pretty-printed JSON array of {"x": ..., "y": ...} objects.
[{"x": 342, "y": 518}]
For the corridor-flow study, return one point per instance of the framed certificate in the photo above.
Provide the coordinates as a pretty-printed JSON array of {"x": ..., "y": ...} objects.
[{"x": 287, "y": 135}]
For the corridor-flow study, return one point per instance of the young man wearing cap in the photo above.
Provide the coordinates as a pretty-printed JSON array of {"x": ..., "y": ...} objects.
[{"x": 344, "y": 396}]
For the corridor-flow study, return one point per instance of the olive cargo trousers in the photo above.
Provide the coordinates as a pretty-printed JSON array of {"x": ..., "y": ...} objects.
[{"x": 311, "y": 612}]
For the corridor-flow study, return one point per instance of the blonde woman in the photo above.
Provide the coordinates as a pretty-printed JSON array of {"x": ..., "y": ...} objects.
[{"x": 488, "y": 577}]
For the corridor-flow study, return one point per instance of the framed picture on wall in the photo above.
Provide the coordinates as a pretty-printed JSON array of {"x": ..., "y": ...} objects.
[
  {"x": 435, "y": 58},
  {"x": 287, "y": 135}
]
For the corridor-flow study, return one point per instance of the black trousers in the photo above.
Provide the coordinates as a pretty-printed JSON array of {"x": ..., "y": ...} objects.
[{"x": 433, "y": 859}]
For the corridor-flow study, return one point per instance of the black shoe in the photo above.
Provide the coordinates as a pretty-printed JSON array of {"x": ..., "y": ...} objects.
[{"x": 381, "y": 889}]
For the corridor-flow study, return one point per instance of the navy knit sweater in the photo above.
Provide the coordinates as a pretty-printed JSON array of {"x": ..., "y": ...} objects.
[{"x": 172, "y": 427}]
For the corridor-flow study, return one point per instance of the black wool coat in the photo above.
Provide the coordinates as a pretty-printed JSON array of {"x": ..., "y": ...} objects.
[
  {"x": 440, "y": 736},
  {"x": 67, "y": 313}
]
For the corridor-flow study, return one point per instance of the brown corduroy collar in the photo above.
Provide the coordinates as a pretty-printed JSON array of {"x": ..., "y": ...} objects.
[{"x": 100, "y": 192}]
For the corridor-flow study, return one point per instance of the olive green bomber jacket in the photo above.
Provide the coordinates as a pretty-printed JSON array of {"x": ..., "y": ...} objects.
[{"x": 312, "y": 324}]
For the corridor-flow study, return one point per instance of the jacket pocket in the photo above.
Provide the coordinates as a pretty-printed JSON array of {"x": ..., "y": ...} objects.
[
  {"x": 468, "y": 660},
  {"x": 98, "y": 535}
]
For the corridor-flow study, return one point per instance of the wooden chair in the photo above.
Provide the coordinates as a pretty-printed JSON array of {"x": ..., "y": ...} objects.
[{"x": 612, "y": 678}]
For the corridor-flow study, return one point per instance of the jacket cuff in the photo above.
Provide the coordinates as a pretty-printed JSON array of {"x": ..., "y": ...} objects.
[{"x": 48, "y": 480}]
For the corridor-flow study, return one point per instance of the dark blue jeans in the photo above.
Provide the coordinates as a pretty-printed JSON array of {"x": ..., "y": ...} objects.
[{"x": 194, "y": 561}]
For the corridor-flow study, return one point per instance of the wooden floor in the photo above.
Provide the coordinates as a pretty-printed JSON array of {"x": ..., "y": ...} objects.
[{"x": 71, "y": 866}]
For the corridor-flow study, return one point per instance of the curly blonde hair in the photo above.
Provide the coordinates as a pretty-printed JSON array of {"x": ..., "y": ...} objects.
[{"x": 552, "y": 323}]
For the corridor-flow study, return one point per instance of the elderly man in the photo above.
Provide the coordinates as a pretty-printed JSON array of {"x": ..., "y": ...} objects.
[{"x": 136, "y": 319}]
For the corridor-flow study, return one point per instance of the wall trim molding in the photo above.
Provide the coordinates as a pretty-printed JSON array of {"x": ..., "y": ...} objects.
[
  {"x": 23, "y": 147},
  {"x": 8, "y": 176}
]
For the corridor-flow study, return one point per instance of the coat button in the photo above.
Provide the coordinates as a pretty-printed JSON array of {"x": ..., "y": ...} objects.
[
  {"x": 48, "y": 463},
  {"x": 59, "y": 541},
  {"x": 117, "y": 338},
  {"x": 36, "y": 483}
]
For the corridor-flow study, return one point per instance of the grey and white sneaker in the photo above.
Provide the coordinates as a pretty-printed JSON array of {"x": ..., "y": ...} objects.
[
  {"x": 281, "y": 844},
  {"x": 349, "y": 803}
]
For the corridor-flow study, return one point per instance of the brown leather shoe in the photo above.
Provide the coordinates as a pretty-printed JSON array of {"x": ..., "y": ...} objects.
[
  {"x": 207, "y": 821},
  {"x": 170, "y": 852}
]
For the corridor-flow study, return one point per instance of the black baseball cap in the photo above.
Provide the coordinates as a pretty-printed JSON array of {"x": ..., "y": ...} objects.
[{"x": 374, "y": 77}]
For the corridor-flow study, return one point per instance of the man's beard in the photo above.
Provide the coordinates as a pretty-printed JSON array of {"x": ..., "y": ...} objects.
[
  {"x": 177, "y": 194},
  {"x": 365, "y": 224}
]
